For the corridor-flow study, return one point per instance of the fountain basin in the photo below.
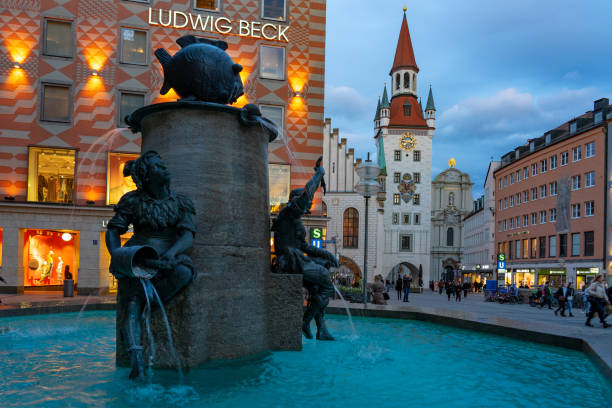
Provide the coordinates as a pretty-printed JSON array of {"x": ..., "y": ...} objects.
[{"x": 59, "y": 360}]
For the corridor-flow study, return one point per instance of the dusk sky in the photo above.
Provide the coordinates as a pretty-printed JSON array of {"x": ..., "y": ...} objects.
[{"x": 502, "y": 71}]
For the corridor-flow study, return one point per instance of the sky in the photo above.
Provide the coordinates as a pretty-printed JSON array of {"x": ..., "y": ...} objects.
[{"x": 502, "y": 72}]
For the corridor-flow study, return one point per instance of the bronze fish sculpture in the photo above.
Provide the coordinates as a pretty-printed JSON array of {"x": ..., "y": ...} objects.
[{"x": 201, "y": 71}]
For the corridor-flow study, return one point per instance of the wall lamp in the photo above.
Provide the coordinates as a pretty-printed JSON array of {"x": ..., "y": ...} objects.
[
  {"x": 16, "y": 65},
  {"x": 95, "y": 72}
]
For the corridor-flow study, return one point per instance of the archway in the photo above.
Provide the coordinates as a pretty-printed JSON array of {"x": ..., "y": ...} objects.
[
  {"x": 449, "y": 267},
  {"x": 401, "y": 269},
  {"x": 350, "y": 267}
]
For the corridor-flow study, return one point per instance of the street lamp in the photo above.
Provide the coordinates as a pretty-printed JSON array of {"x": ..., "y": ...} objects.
[{"x": 367, "y": 187}]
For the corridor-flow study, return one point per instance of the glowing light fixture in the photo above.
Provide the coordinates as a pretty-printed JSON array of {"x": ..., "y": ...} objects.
[
  {"x": 66, "y": 236},
  {"x": 16, "y": 65},
  {"x": 94, "y": 73}
]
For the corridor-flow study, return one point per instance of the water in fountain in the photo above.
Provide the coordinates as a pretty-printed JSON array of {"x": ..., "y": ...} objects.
[
  {"x": 348, "y": 312},
  {"x": 147, "y": 319}
]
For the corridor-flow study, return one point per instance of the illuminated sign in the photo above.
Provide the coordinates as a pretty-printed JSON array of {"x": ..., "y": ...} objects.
[
  {"x": 501, "y": 257},
  {"x": 501, "y": 264},
  {"x": 221, "y": 25},
  {"x": 316, "y": 233},
  {"x": 316, "y": 243}
]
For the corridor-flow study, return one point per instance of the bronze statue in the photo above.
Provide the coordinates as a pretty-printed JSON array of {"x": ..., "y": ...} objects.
[
  {"x": 290, "y": 245},
  {"x": 163, "y": 231},
  {"x": 201, "y": 71}
]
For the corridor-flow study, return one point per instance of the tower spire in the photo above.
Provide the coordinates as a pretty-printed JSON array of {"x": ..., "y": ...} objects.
[
  {"x": 385, "y": 98},
  {"x": 430, "y": 101},
  {"x": 404, "y": 54}
]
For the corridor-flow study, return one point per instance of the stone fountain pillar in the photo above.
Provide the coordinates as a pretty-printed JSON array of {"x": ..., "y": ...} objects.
[{"x": 235, "y": 307}]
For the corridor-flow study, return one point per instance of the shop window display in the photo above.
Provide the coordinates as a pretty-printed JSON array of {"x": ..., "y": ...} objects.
[
  {"x": 280, "y": 185},
  {"x": 116, "y": 184},
  {"x": 51, "y": 175},
  {"x": 49, "y": 257}
]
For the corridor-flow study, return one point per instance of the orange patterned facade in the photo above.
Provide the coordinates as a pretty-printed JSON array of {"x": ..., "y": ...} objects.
[{"x": 96, "y": 77}]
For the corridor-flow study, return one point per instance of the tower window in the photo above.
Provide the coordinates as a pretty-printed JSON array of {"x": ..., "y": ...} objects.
[
  {"x": 397, "y": 81},
  {"x": 407, "y": 108},
  {"x": 406, "y": 80}
]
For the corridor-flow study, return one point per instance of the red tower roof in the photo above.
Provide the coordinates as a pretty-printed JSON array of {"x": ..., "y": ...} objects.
[
  {"x": 399, "y": 108},
  {"x": 404, "y": 55}
]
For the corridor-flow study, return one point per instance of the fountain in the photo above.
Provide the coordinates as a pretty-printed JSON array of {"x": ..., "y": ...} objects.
[{"x": 217, "y": 157}]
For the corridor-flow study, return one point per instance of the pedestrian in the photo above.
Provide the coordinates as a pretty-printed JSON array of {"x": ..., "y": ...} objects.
[
  {"x": 466, "y": 288},
  {"x": 1, "y": 279},
  {"x": 407, "y": 281},
  {"x": 570, "y": 298},
  {"x": 546, "y": 296},
  {"x": 398, "y": 287},
  {"x": 458, "y": 289},
  {"x": 561, "y": 295},
  {"x": 599, "y": 300},
  {"x": 441, "y": 286},
  {"x": 449, "y": 289}
]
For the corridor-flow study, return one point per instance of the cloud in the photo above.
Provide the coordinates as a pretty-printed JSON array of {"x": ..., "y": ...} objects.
[{"x": 347, "y": 102}]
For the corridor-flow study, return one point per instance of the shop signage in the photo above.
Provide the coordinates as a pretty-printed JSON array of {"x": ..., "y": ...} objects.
[
  {"x": 316, "y": 243},
  {"x": 557, "y": 272},
  {"x": 486, "y": 266},
  {"x": 221, "y": 25},
  {"x": 501, "y": 257},
  {"x": 501, "y": 264},
  {"x": 522, "y": 271},
  {"x": 594, "y": 270},
  {"x": 316, "y": 233}
]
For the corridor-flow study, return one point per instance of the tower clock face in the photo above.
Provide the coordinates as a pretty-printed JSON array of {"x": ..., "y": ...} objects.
[{"x": 408, "y": 142}]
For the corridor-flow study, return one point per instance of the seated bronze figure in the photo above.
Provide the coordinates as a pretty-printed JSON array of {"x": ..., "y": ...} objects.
[{"x": 163, "y": 226}]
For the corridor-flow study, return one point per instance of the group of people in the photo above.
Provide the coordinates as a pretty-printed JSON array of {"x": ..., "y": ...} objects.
[
  {"x": 402, "y": 287},
  {"x": 455, "y": 288},
  {"x": 439, "y": 286}
]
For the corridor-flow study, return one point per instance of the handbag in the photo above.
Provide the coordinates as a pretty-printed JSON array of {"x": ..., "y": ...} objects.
[
  {"x": 386, "y": 296},
  {"x": 561, "y": 298},
  {"x": 608, "y": 308}
]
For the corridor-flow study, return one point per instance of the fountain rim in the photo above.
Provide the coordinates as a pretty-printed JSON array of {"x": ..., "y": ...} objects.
[{"x": 244, "y": 115}]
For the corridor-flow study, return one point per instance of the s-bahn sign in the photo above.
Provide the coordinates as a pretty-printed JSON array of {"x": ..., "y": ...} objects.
[{"x": 214, "y": 24}]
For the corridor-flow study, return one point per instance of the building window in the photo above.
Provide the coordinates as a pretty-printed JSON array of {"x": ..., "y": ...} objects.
[
  {"x": 543, "y": 217},
  {"x": 589, "y": 179},
  {"x": 395, "y": 218},
  {"x": 597, "y": 117},
  {"x": 211, "y": 5},
  {"x": 525, "y": 196},
  {"x": 511, "y": 223},
  {"x": 396, "y": 177},
  {"x": 500, "y": 184},
  {"x": 350, "y": 228},
  {"x": 505, "y": 225},
  {"x": 406, "y": 243},
  {"x": 590, "y": 150},
  {"x": 505, "y": 203},
  {"x": 517, "y": 251},
  {"x": 406, "y": 80},
  {"x": 116, "y": 184},
  {"x": 589, "y": 243},
  {"x": 128, "y": 103},
  {"x": 553, "y": 162},
  {"x": 553, "y": 215},
  {"x": 277, "y": 115},
  {"x": 51, "y": 175},
  {"x": 417, "y": 219},
  {"x": 542, "y": 251},
  {"x": 396, "y": 199},
  {"x": 589, "y": 208},
  {"x": 511, "y": 178},
  {"x": 577, "y": 153},
  {"x": 553, "y": 188},
  {"x": 552, "y": 246},
  {"x": 505, "y": 181},
  {"x": 534, "y": 169},
  {"x": 279, "y": 176},
  {"x": 57, "y": 38},
  {"x": 274, "y": 9},
  {"x": 534, "y": 218},
  {"x": 518, "y": 199},
  {"x": 416, "y": 177},
  {"x": 518, "y": 176},
  {"x": 416, "y": 155},
  {"x": 534, "y": 247},
  {"x": 48, "y": 256},
  {"x": 56, "y": 104},
  {"x": 397, "y": 81},
  {"x": 572, "y": 128},
  {"x": 406, "y": 219},
  {"x": 416, "y": 199},
  {"x": 564, "y": 156},
  {"x": 397, "y": 155},
  {"x": 511, "y": 201},
  {"x": 501, "y": 205},
  {"x": 525, "y": 220},
  {"x": 407, "y": 108},
  {"x": 575, "y": 182},
  {"x": 450, "y": 237},
  {"x": 525, "y": 172},
  {"x": 562, "y": 245},
  {"x": 534, "y": 193},
  {"x": 576, "y": 244},
  {"x": 525, "y": 245},
  {"x": 575, "y": 210},
  {"x": 134, "y": 46},
  {"x": 271, "y": 62},
  {"x": 499, "y": 226},
  {"x": 543, "y": 166},
  {"x": 543, "y": 191}
]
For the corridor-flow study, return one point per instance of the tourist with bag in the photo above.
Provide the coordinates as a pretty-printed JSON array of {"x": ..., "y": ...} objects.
[
  {"x": 561, "y": 295},
  {"x": 599, "y": 301}
]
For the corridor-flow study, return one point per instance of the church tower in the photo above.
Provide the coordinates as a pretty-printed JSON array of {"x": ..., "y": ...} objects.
[{"x": 404, "y": 140}]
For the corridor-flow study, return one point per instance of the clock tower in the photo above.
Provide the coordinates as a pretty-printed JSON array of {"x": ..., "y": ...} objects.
[{"x": 404, "y": 138}]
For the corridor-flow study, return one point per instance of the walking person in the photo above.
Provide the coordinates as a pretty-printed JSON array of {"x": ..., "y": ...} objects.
[
  {"x": 449, "y": 289},
  {"x": 441, "y": 286},
  {"x": 407, "y": 281},
  {"x": 398, "y": 287},
  {"x": 546, "y": 296},
  {"x": 458, "y": 289},
  {"x": 570, "y": 298},
  {"x": 561, "y": 295},
  {"x": 599, "y": 300}
]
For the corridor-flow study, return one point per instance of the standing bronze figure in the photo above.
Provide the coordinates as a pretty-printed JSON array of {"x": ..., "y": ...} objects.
[
  {"x": 163, "y": 231},
  {"x": 290, "y": 246}
]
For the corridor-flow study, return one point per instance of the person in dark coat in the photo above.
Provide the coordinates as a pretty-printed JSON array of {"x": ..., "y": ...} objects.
[
  {"x": 406, "y": 285},
  {"x": 561, "y": 295},
  {"x": 398, "y": 287},
  {"x": 466, "y": 288},
  {"x": 449, "y": 289},
  {"x": 458, "y": 292},
  {"x": 441, "y": 286}
]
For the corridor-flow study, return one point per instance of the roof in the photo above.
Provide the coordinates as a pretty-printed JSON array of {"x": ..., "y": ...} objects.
[
  {"x": 377, "y": 110},
  {"x": 404, "y": 54},
  {"x": 385, "y": 99},
  {"x": 430, "y": 102},
  {"x": 397, "y": 112},
  {"x": 382, "y": 163}
]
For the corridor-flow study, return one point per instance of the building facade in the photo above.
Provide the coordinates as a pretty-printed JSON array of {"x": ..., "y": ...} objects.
[
  {"x": 478, "y": 240},
  {"x": 71, "y": 71},
  {"x": 551, "y": 206},
  {"x": 404, "y": 135},
  {"x": 451, "y": 202}
]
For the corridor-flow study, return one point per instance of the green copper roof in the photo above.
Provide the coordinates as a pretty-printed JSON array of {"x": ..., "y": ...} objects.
[
  {"x": 430, "y": 101},
  {"x": 377, "y": 111},
  {"x": 382, "y": 164},
  {"x": 385, "y": 99}
]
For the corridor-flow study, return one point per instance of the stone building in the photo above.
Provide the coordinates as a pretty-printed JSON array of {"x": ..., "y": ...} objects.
[
  {"x": 479, "y": 233},
  {"x": 69, "y": 74},
  {"x": 451, "y": 202}
]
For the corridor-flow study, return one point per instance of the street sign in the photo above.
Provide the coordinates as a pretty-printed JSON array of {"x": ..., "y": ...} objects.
[
  {"x": 316, "y": 233},
  {"x": 316, "y": 243},
  {"x": 501, "y": 257},
  {"x": 501, "y": 264}
]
